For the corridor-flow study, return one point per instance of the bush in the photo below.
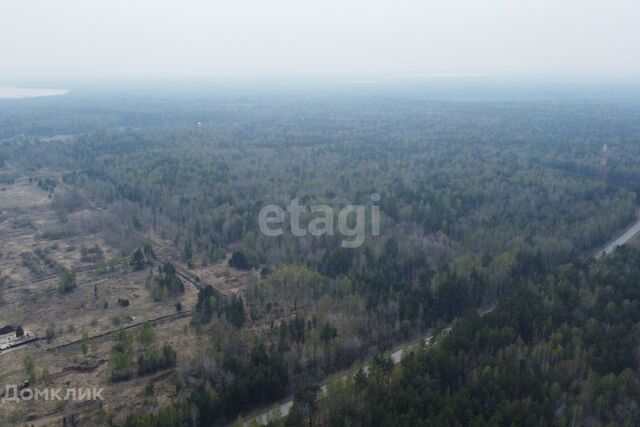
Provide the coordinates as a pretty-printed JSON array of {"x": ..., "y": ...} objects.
[
  {"x": 153, "y": 360},
  {"x": 240, "y": 261}
]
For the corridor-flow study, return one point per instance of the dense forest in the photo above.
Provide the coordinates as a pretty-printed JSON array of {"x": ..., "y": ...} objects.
[
  {"x": 480, "y": 202},
  {"x": 561, "y": 350}
]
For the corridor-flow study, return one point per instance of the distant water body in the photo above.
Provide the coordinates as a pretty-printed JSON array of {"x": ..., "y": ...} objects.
[{"x": 22, "y": 92}]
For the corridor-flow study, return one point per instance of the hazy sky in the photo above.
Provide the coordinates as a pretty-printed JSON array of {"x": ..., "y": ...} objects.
[{"x": 97, "y": 39}]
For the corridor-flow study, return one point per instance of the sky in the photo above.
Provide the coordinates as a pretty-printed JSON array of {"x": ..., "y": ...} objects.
[{"x": 362, "y": 40}]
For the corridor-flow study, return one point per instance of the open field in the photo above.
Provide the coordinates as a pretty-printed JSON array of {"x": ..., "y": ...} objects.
[{"x": 76, "y": 330}]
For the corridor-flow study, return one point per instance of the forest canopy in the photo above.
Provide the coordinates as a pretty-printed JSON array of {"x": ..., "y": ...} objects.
[{"x": 480, "y": 203}]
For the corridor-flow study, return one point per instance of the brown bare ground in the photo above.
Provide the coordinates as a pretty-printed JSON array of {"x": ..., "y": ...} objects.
[{"x": 31, "y": 299}]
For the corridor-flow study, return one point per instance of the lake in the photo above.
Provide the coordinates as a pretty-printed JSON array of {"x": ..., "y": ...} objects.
[{"x": 21, "y": 92}]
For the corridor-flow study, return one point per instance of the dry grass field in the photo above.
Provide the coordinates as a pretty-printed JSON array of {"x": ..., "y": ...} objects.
[{"x": 77, "y": 330}]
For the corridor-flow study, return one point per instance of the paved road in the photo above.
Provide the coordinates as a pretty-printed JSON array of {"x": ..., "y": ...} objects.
[
  {"x": 282, "y": 409},
  {"x": 624, "y": 238}
]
